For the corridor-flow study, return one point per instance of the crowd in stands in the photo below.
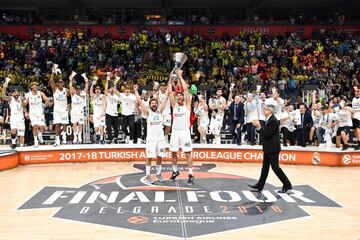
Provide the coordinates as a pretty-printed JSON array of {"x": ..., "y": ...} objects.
[{"x": 249, "y": 65}]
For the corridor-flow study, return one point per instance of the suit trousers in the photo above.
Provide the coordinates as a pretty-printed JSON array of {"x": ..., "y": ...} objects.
[{"x": 273, "y": 160}]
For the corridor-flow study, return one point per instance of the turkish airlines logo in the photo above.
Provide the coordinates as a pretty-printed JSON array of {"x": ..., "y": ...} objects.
[{"x": 173, "y": 208}]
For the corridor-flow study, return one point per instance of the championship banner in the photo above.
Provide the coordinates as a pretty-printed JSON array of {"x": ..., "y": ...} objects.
[{"x": 324, "y": 158}]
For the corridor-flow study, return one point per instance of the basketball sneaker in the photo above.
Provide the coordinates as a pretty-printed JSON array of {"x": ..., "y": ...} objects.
[
  {"x": 148, "y": 180},
  {"x": 174, "y": 175},
  {"x": 160, "y": 178},
  {"x": 191, "y": 180}
]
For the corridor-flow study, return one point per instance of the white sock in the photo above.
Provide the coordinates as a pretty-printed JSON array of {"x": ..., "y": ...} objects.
[
  {"x": 21, "y": 145},
  {"x": 158, "y": 169},
  {"x": 57, "y": 138},
  {"x": 35, "y": 138},
  {"x": 191, "y": 170},
  {"x": 147, "y": 169},
  {"x": 13, "y": 140},
  {"x": 101, "y": 137},
  {"x": 175, "y": 168}
]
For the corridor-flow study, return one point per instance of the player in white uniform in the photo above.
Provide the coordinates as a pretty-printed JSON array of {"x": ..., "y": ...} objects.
[
  {"x": 343, "y": 117},
  {"x": 155, "y": 140},
  {"x": 167, "y": 111},
  {"x": 99, "y": 107},
  {"x": 61, "y": 114},
  {"x": 356, "y": 115},
  {"x": 202, "y": 112},
  {"x": 180, "y": 136},
  {"x": 36, "y": 112},
  {"x": 276, "y": 101},
  {"x": 17, "y": 123},
  {"x": 217, "y": 105},
  {"x": 78, "y": 101}
]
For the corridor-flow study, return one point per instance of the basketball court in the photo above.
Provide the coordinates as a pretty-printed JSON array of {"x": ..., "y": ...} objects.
[{"x": 109, "y": 200}]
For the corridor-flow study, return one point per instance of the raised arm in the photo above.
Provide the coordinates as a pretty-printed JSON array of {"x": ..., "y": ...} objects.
[
  {"x": 106, "y": 90},
  {"x": 185, "y": 88},
  {"x": 52, "y": 82},
  {"x": 143, "y": 108},
  {"x": 164, "y": 102},
  {"x": 86, "y": 80},
  {"x": 92, "y": 88},
  {"x": 6, "y": 97},
  {"x": 71, "y": 88}
]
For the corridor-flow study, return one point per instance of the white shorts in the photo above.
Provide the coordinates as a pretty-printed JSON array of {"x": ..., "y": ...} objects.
[
  {"x": 37, "y": 119},
  {"x": 19, "y": 125},
  {"x": 61, "y": 117},
  {"x": 216, "y": 124},
  {"x": 98, "y": 121},
  {"x": 167, "y": 120},
  {"x": 77, "y": 117},
  {"x": 180, "y": 139},
  {"x": 155, "y": 149}
]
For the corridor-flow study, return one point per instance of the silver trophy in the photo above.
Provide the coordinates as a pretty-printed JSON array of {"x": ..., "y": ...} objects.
[{"x": 179, "y": 58}]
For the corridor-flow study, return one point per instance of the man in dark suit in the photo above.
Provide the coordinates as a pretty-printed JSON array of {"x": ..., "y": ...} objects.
[
  {"x": 302, "y": 129},
  {"x": 236, "y": 119},
  {"x": 271, "y": 148}
]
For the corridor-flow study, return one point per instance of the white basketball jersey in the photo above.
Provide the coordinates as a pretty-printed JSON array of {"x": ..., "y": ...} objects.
[
  {"x": 154, "y": 126},
  {"x": 356, "y": 106},
  {"x": 16, "y": 109},
  {"x": 60, "y": 100},
  {"x": 77, "y": 104},
  {"x": 167, "y": 109},
  {"x": 97, "y": 104},
  {"x": 35, "y": 103},
  {"x": 181, "y": 118}
]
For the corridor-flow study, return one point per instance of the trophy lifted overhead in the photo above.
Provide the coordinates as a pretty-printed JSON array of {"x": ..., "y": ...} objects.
[{"x": 179, "y": 58}]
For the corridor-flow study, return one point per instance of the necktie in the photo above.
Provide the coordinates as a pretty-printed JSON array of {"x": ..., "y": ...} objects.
[
  {"x": 302, "y": 120},
  {"x": 235, "y": 111}
]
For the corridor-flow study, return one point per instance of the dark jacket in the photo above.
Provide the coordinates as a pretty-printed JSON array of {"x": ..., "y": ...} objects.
[
  {"x": 239, "y": 114},
  {"x": 270, "y": 136}
]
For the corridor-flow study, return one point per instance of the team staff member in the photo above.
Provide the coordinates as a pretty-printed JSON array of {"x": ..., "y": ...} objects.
[
  {"x": 180, "y": 136},
  {"x": 155, "y": 140},
  {"x": 271, "y": 148}
]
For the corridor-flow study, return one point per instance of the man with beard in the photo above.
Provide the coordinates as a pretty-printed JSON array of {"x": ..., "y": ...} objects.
[
  {"x": 17, "y": 122},
  {"x": 155, "y": 140},
  {"x": 180, "y": 136}
]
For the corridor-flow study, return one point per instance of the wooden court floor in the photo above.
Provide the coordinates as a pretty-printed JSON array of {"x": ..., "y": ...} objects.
[{"x": 19, "y": 184}]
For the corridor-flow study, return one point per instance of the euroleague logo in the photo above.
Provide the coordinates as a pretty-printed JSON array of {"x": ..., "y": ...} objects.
[
  {"x": 217, "y": 202},
  {"x": 346, "y": 159}
]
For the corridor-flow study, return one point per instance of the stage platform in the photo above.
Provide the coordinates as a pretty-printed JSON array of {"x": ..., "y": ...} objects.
[{"x": 202, "y": 152}]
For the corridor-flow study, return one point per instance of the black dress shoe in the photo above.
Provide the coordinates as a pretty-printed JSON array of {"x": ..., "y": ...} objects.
[
  {"x": 256, "y": 186},
  {"x": 285, "y": 189}
]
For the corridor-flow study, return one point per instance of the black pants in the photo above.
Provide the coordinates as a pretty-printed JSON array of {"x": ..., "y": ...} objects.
[
  {"x": 273, "y": 160},
  {"x": 112, "y": 123},
  {"x": 302, "y": 134},
  {"x": 137, "y": 130},
  {"x": 129, "y": 121},
  {"x": 236, "y": 134},
  {"x": 287, "y": 135}
]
